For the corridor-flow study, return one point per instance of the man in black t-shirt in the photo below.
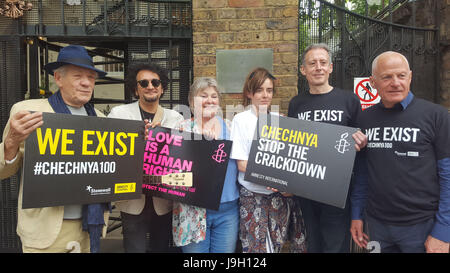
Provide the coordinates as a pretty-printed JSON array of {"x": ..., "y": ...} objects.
[
  {"x": 404, "y": 184},
  {"x": 327, "y": 227}
]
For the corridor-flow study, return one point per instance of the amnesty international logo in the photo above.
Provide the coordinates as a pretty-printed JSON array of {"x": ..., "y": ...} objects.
[
  {"x": 219, "y": 154},
  {"x": 124, "y": 187},
  {"x": 342, "y": 144}
]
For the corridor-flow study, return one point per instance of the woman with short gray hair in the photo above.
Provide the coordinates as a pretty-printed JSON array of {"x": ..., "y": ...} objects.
[{"x": 200, "y": 230}]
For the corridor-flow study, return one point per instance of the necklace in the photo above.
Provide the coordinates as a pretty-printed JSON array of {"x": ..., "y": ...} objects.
[{"x": 146, "y": 115}]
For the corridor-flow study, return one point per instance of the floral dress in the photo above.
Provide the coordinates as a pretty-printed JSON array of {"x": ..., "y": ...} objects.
[
  {"x": 189, "y": 222},
  {"x": 268, "y": 222}
]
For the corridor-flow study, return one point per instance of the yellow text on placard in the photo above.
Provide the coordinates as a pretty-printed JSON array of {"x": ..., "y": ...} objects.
[
  {"x": 89, "y": 149},
  {"x": 93, "y": 142},
  {"x": 53, "y": 140},
  {"x": 289, "y": 135}
]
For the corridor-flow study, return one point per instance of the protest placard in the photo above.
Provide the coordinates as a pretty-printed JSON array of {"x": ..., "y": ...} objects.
[
  {"x": 168, "y": 151},
  {"x": 81, "y": 160},
  {"x": 309, "y": 159}
]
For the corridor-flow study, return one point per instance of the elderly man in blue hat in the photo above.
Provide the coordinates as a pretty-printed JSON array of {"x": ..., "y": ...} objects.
[{"x": 62, "y": 228}]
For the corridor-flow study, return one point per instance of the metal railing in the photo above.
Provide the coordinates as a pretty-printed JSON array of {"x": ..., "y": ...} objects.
[
  {"x": 355, "y": 40},
  {"x": 120, "y": 18}
]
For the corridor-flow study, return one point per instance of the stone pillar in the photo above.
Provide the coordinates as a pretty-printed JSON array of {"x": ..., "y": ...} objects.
[{"x": 248, "y": 24}]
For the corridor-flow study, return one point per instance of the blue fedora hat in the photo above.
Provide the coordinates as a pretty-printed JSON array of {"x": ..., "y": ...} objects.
[{"x": 74, "y": 55}]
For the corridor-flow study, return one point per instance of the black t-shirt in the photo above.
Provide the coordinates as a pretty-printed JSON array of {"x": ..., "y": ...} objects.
[
  {"x": 402, "y": 150},
  {"x": 146, "y": 115},
  {"x": 336, "y": 107}
]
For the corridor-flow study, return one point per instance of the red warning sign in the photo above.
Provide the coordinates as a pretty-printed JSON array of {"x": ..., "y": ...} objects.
[{"x": 367, "y": 95}]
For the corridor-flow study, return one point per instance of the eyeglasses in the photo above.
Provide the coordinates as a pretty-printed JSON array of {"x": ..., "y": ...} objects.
[{"x": 144, "y": 83}]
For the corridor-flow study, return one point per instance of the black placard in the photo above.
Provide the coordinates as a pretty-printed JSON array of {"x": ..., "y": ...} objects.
[
  {"x": 81, "y": 159},
  {"x": 169, "y": 151},
  {"x": 309, "y": 159}
]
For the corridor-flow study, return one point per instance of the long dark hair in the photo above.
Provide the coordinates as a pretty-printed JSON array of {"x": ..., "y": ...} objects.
[{"x": 134, "y": 69}]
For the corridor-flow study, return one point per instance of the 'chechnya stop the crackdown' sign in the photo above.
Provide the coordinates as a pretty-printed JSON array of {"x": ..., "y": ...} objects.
[{"x": 310, "y": 159}]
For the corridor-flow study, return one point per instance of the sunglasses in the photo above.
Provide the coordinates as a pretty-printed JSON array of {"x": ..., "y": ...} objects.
[{"x": 144, "y": 83}]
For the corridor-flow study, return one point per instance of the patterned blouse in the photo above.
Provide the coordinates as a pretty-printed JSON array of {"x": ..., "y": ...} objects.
[{"x": 189, "y": 222}]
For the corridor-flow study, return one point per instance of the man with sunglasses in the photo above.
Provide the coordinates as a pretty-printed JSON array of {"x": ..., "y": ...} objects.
[{"x": 147, "y": 83}]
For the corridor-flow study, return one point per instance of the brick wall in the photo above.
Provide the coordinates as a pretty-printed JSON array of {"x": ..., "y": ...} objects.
[{"x": 248, "y": 24}]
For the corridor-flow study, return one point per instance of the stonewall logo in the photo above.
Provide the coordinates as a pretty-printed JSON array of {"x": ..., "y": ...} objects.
[{"x": 93, "y": 191}]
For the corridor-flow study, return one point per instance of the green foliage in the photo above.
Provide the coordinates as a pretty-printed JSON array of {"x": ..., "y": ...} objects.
[
  {"x": 304, "y": 33},
  {"x": 359, "y": 6},
  {"x": 331, "y": 20}
]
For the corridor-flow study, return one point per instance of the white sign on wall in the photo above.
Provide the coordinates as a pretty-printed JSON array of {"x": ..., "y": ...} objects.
[{"x": 367, "y": 95}]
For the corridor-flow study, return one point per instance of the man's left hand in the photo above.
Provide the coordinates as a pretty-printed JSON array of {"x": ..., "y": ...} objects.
[
  {"x": 360, "y": 140},
  {"x": 433, "y": 245},
  {"x": 149, "y": 125}
]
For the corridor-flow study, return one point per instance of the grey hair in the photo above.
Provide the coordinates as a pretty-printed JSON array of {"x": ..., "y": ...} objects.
[
  {"x": 61, "y": 70},
  {"x": 375, "y": 61},
  {"x": 317, "y": 46},
  {"x": 201, "y": 84}
]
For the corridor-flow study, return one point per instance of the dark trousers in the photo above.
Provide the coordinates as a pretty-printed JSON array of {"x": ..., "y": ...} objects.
[
  {"x": 327, "y": 227},
  {"x": 399, "y": 239},
  {"x": 147, "y": 232}
]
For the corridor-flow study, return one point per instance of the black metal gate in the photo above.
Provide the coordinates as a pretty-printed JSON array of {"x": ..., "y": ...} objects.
[
  {"x": 11, "y": 80},
  {"x": 116, "y": 33},
  {"x": 355, "y": 40}
]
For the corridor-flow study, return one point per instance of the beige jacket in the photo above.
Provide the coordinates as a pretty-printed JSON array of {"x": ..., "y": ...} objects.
[
  {"x": 37, "y": 228},
  {"x": 168, "y": 118}
]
